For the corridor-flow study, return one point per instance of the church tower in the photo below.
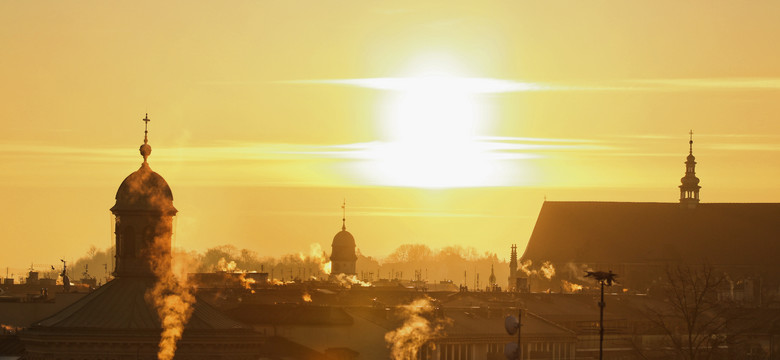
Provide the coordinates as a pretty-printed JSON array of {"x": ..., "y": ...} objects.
[
  {"x": 342, "y": 256},
  {"x": 144, "y": 220},
  {"x": 492, "y": 279},
  {"x": 512, "y": 281},
  {"x": 689, "y": 190},
  {"x": 128, "y": 318}
]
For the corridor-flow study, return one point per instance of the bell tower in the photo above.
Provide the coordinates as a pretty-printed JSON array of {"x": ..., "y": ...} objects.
[
  {"x": 144, "y": 220},
  {"x": 512, "y": 281},
  {"x": 343, "y": 256},
  {"x": 689, "y": 189}
]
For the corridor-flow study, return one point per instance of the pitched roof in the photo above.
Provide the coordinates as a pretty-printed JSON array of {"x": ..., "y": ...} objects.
[
  {"x": 120, "y": 304},
  {"x": 627, "y": 232}
]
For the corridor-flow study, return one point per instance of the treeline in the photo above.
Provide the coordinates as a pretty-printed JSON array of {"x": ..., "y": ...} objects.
[{"x": 458, "y": 264}]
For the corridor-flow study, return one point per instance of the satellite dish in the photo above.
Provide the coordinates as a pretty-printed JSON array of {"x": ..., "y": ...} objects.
[
  {"x": 510, "y": 351},
  {"x": 511, "y": 324}
]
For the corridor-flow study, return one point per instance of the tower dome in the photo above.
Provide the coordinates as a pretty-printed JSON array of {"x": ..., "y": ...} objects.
[
  {"x": 343, "y": 239},
  {"x": 144, "y": 220},
  {"x": 144, "y": 190},
  {"x": 342, "y": 256}
]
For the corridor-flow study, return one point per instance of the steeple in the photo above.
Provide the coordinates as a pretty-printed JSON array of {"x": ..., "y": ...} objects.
[
  {"x": 492, "y": 278},
  {"x": 344, "y": 215},
  {"x": 512, "y": 280},
  {"x": 343, "y": 256},
  {"x": 513, "y": 261},
  {"x": 146, "y": 149},
  {"x": 144, "y": 214},
  {"x": 689, "y": 189}
]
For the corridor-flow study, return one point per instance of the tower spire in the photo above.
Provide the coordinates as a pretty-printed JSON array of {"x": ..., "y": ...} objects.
[
  {"x": 146, "y": 127},
  {"x": 146, "y": 149},
  {"x": 344, "y": 215},
  {"x": 689, "y": 189},
  {"x": 690, "y": 143}
]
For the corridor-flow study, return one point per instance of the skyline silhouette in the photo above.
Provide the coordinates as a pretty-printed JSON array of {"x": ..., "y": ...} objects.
[{"x": 436, "y": 120}]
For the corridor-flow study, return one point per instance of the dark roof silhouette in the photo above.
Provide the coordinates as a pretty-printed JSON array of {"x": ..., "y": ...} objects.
[
  {"x": 120, "y": 305},
  {"x": 633, "y": 232}
]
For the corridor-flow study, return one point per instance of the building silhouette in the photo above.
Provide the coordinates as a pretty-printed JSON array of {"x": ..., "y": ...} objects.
[
  {"x": 343, "y": 258},
  {"x": 120, "y": 319},
  {"x": 689, "y": 189},
  {"x": 640, "y": 240}
]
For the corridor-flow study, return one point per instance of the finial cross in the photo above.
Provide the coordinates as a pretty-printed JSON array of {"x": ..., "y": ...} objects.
[
  {"x": 146, "y": 126},
  {"x": 690, "y": 143},
  {"x": 344, "y": 215}
]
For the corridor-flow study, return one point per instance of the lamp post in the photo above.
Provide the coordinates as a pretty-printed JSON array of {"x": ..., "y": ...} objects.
[{"x": 604, "y": 278}]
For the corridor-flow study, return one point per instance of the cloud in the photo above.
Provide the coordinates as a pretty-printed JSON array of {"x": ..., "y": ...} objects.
[
  {"x": 502, "y": 147},
  {"x": 357, "y": 211},
  {"x": 479, "y": 85},
  {"x": 686, "y": 84},
  {"x": 746, "y": 147},
  {"x": 436, "y": 83}
]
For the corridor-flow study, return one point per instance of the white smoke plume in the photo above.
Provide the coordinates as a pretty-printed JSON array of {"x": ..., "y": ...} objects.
[
  {"x": 349, "y": 280},
  {"x": 224, "y": 265},
  {"x": 569, "y": 287},
  {"x": 171, "y": 295},
  {"x": 317, "y": 255},
  {"x": 405, "y": 341},
  {"x": 547, "y": 270}
]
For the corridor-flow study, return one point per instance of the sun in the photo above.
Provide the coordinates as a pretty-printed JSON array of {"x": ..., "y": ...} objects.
[{"x": 430, "y": 127}]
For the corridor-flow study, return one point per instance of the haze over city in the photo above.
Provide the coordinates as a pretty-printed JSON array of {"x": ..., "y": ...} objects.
[
  {"x": 397, "y": 180},
  {"x": 441, "y": 123}
]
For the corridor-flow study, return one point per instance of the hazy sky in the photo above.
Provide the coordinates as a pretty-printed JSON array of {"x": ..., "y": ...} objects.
[{"x": 442, "y": 123}]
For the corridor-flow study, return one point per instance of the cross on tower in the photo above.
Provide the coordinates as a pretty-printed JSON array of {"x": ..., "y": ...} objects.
[
  {"x": 344, "y": 215},
  {"x": 146, "y": 127},
  {"x": 690, "y": 142}
]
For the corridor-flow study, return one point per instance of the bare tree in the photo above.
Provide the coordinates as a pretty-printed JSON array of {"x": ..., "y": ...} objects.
[{"x": 694, "y": 323}]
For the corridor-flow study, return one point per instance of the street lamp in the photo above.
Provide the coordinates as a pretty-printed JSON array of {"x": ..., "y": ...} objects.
[{"x": 604, "y": 278}]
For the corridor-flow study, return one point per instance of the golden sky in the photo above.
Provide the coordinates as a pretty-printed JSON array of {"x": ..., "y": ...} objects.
[{"x": 445, "y": 123}]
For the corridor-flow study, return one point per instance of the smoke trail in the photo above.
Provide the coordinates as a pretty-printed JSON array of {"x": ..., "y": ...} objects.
[
  {"x": 547, "y": 270},
  {"x": 405, "y": 342},
  {"x": 317, "y": 255},
  {"x": 570, "y": 287},
  {"x": 350, "y": 280},
  {"x": 172, "y": 297},
  {"x": 525, "y": 267},
  {"x": 223, "y": 265},
  {"x": 306, "y": 297}
]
